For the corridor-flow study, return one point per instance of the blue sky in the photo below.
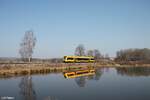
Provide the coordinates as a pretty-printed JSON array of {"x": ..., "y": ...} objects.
[{"x": 60, "y": 25}]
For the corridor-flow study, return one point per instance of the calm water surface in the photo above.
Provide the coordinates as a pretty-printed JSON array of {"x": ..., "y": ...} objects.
[{"x": 107, "y": 84}]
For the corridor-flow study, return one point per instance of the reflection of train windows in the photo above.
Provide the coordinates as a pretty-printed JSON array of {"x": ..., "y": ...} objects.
[
  {"x": 79, "y": 73},
  {"x": 82, "y": 72},
  {"x": 70, "y": 74}
]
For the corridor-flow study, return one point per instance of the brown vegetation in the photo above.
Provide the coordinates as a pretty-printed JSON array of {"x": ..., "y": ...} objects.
[{"x": 32, "y": 68}]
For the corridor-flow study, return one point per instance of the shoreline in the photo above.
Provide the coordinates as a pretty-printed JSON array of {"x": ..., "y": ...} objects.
[{"x": 15, "y": 69}]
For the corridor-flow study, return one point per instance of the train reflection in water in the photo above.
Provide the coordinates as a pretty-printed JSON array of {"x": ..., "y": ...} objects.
[
  {"x": 79, "y": 73},
  {"x": 82, "y": 76}
]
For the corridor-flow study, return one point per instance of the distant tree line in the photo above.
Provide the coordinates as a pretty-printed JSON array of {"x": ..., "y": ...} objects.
[{"x": 140, "y": 55}]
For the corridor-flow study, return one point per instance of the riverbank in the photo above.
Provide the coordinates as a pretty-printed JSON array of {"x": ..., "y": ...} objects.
[{"x": 15, "y": 69}]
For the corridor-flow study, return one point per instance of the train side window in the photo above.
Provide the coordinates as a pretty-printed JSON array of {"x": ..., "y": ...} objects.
[
  {"x": 92, "y": 58},
  {"x": 69, "y": 58},
  {"x": 82, "y": 59}
]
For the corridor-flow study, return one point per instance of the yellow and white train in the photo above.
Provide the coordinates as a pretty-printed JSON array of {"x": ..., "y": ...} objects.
[{"x": 78, "y": 59}]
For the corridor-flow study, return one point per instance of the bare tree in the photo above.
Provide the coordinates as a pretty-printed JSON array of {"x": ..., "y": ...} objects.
[
  {"x": 107, "y": 56},
  {"x": 80, "y": 50},
  {"x": 90, "y": 53},
  {"x": 27, "y": 45},
  {"x": 97, "y": 54}
]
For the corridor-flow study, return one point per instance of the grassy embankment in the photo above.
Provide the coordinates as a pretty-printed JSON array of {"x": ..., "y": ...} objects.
[{"x": 14, "y": 69}]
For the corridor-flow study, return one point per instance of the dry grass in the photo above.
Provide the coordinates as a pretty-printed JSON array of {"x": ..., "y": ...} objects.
[
  {"x": 31, "y": 68},
  {"x": 43, "y": 68}
]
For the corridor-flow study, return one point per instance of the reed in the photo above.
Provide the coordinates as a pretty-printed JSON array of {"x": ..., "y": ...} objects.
[
  {"x": 28, "y": 69},
  {"x": 11, "y": 69}
]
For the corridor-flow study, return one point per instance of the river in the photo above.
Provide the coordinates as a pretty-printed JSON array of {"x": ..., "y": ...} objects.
[{"x": 106, "y": 84}]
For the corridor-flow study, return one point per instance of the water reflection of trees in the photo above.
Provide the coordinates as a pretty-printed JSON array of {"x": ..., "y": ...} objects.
[
  {"x": 81, "y": 81},
  {"x": 50, "y": 98},
  {"x": 98, "y": 73},
  {"x": 134, "y": 71},
  {"x": 27, "y": 88}
]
